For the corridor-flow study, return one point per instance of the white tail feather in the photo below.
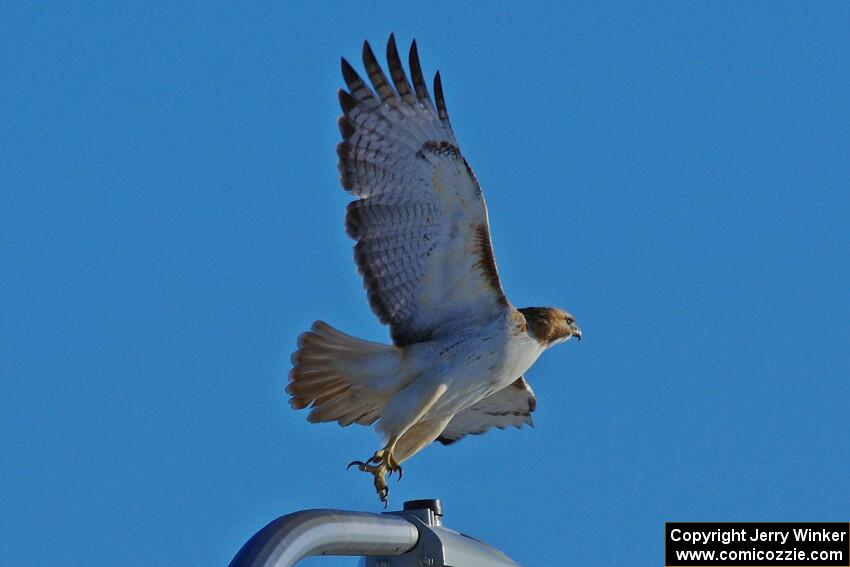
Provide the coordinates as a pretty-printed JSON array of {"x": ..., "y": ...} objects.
[{"x": 343, "y": 378}]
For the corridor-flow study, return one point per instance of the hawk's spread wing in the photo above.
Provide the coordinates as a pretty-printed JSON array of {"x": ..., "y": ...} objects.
[
  {"x": 423, "y": 239},
  {"x": 511, "y": 405}
]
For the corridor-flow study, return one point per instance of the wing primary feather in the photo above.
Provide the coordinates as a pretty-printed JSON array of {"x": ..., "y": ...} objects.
[
  {"x": 346, "y": 127},
  {"x": 418, "y": 78},
  {"x": 376, "y": 75},
  {"x": 358, "y": 88},
  {"x": 394, "y": 144},
  {"x": 438, "y": 96},
  {"x": 346, "y": 101},
  {"x": 397, "y": 72}
]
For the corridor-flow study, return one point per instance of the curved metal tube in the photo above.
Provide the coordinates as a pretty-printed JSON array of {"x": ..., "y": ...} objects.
[{"x": 290, "y": 538}]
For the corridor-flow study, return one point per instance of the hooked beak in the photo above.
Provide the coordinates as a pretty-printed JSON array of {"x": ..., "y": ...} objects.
[{"x": 577, "y": 334}]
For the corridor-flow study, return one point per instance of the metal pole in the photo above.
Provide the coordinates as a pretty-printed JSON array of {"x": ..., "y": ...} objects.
[{"x": 293, "y": 537}]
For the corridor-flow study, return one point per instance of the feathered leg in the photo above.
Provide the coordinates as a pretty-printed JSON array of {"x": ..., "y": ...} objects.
[
  {"x": 418, "y": 437},
  {"x": 400, "y": 415}
]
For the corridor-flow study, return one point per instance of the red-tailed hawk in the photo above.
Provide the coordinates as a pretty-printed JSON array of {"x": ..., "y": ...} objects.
[{"x": 423, "y": 248}]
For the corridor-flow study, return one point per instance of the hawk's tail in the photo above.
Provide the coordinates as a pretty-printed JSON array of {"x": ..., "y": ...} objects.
[{"x": 343, "y": 378}]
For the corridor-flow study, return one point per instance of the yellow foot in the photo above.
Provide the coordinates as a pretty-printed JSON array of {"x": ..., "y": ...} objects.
[{"x": 381, "y": 465}]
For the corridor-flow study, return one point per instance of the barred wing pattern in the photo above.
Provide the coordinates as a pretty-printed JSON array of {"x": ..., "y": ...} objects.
[
  {"x": 511, "y": 405},
  {"x": 420, "y": 221}
]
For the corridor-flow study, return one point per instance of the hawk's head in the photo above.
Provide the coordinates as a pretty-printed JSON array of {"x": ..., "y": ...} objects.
[{"x": 550, "y": 325}]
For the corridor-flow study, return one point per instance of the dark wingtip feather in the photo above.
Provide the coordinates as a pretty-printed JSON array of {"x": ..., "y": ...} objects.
[
  {"x": 446, "y": 440},
  {"x": 358, "y": 89},
  {"x": 346, "y": 127},
  {"x": 438, "y": 97},
  {"x": 346, "y": 101},
  {"x": 416, "y": 75},
  {"x": 348, "y": 72},
  {"x": 399, "y": 78},
  {"x": 367, "y": 51},
  {"x": 376, "y": 74}
]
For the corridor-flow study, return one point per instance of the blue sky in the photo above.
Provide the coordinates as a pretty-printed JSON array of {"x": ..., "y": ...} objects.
[{"x": 676, "y": 175}]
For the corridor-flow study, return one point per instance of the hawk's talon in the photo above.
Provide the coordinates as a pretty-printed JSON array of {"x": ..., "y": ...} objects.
[{"x": 381, "y": 465}]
